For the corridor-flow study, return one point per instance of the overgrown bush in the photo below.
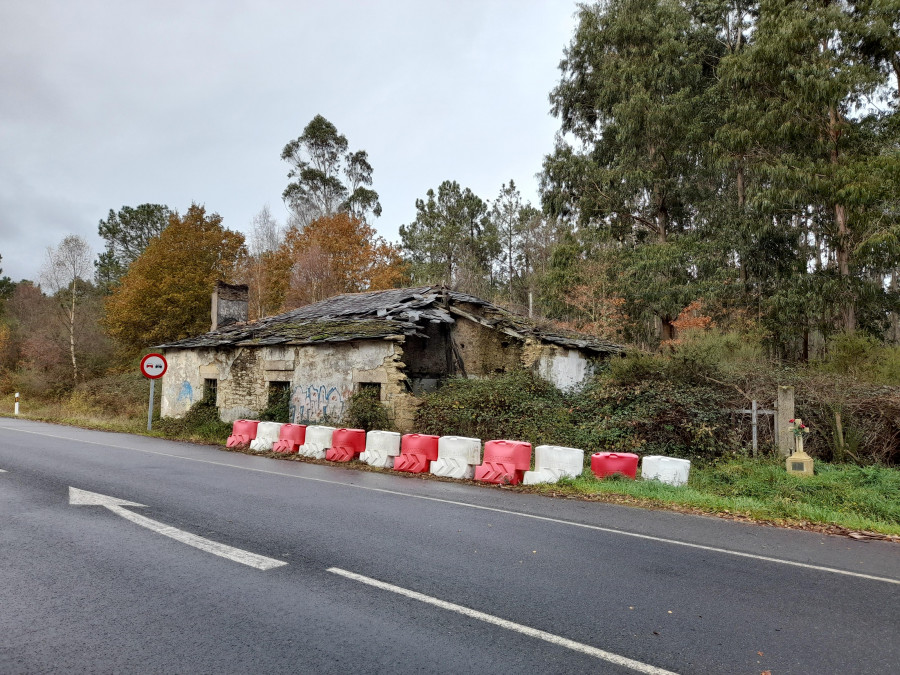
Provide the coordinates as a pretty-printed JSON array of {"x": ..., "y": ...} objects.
[
  {"x": 653, "y": 404},
  {"x": 278, "y": 406},
  {"x": 366, "y": 411},
  {"x": 517, "y": 405},
  {"x": 861, "y": 357},
  {"x": 200, "y": 422}
]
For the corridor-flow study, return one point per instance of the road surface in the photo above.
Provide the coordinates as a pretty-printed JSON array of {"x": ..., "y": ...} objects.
[{"x": 372, "y": 572}]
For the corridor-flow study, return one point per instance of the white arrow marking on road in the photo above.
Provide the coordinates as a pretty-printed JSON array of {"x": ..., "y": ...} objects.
[{"x": 85, "y": 498}]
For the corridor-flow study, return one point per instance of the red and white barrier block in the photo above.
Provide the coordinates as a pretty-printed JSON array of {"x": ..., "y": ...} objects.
[
  {"x": 505, "y": 462},
  {"x": 457, "y": 457},
  {"x": 671, "y": 470},
  {"x": 267, "y": 433},
  {"x": 290, "y": 438},
  {"x": 381, "y": 449},
  {"x": 605, "y": 464},
  {"x": 417, "y": 451},
  {"x": 346, "y": 444},
  {"x": 552, "y": 462},
  {"x": 242, "y": 432},
  {"x": 318, "y": 440}
]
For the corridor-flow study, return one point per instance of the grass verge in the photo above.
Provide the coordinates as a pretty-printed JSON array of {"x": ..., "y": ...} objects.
[{"x": 850, "y": 497}]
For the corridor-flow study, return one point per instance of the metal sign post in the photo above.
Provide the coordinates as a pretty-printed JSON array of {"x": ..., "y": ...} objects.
[{"x": 153, "y": 366}]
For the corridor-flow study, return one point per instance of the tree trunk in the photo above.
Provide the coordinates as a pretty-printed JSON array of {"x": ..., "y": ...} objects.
[
  {"x": 662, "y": 216},
  {"x": 842, "y": 246},
  {"x": 895, "y": 318},
  {"x": 72, "y": 334}
]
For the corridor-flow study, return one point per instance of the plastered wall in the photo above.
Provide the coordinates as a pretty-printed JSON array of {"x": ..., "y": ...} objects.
[
  {"x": 565, "y": 368},
  {"x": 321, "y": 377}
]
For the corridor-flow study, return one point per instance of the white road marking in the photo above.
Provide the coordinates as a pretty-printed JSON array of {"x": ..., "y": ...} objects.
[
  {"x": 2, "y": 470},
  {"x": 598, "y": 528},
  {"x": 85, "y": 498},
  {"x": 509, "y": 625}
]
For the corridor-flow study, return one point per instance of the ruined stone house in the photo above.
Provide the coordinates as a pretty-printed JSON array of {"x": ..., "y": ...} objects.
[{"x": 401, "y": 341}]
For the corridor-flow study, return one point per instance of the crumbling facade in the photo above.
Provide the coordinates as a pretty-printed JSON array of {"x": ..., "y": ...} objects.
[{"x": 403, "y": 342}]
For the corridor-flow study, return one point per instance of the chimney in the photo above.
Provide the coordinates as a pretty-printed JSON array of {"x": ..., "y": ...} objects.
[{"x": 229, "y": 304}]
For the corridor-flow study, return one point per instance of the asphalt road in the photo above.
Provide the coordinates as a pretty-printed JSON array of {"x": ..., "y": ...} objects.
[{"x": 396, "y": 574}]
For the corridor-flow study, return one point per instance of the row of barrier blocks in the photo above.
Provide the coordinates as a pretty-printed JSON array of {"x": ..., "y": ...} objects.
[
  {"x": 504, "y": 462},
  {"x": 671, "y": 470}
]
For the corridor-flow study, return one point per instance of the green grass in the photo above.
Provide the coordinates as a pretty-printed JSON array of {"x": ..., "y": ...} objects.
[{"x": 853, "y": 497}]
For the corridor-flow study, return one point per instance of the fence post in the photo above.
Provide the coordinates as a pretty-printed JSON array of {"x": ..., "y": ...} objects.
[{"x": 784, "y": 412}]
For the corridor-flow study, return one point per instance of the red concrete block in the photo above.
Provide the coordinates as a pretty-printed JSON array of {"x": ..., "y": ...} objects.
[
  {"x": 291, "y": 437},
  {"x": 499, "y": 472},
  {"x": 420, "y": 444},
  {"x": 346, "y": 444},
  {"x": 605, "y": 464},
  {"x": 411, "y": 463},
  {"x": 505, "y": 462},
  {"x": 516, "y": 453},
  {"x": 417, "y": 451},
  {"x": 242, "y": 432}
]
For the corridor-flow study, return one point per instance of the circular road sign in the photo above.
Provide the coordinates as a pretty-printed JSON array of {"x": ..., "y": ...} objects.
[{"x": 154, "y": 366}]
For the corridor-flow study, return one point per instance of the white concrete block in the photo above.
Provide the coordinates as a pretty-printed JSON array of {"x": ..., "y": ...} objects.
[
  {"x": 266, "y": 435},
  {"x": 318, "y": 440},
  {"x": 569, "y": 460},
  {"x": 460, "y": 447},
  {"x": 671, "y": 470},
  {"x": 381, "y": 448},
  {"x": 544, "y": 476},
  {"x": 453, "y": 467}
]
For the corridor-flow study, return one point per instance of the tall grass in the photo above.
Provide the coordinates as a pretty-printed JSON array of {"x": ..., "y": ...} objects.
[{"x": 858, "y": 498}]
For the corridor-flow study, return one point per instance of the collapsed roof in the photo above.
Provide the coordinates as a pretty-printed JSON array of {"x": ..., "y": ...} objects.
[{"x": 392, "y": 314}]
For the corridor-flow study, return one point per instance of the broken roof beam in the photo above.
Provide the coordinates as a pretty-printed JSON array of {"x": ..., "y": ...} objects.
[{"x": 485, "y": 322}]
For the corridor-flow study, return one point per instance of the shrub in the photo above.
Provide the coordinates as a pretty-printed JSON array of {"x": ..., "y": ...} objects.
[
  {"x": 517, "y": 406},
  {"x": 656, "y": 416},
  {"x": 201, "y": 422},
  {"x": 278, "y": 406},
  {"x": 366, "y": 411}
]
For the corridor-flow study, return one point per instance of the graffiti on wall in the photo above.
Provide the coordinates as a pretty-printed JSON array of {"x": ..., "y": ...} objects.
[
  {"x": 315, "y": 402},
  {"x": 185, "y": 394}
]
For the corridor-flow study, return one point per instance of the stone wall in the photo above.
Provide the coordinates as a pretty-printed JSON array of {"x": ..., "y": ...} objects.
[
  {"x": 321, "y": 377},
  {"x": 485, "y": 351}
]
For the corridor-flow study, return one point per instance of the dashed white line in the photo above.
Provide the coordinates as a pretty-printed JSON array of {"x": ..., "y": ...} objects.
[
  {"x": 596, "y": 528},
  {"x": 558, "y": 640}
]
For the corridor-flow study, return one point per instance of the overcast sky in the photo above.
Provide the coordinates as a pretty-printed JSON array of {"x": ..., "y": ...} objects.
[{"x": 108, "y": 103}]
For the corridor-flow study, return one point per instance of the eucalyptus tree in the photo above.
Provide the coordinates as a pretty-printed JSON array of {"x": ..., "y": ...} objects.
[
  {"x": 636, "y": 114},
  {"x": 326, "y": 177},
  {"x": 803, "y": 110}
]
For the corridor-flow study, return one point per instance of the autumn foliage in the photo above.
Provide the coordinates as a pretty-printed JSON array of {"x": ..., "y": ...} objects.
[
  {"x": 337, "y": 254},
  {"x": 166, "y": 292}
]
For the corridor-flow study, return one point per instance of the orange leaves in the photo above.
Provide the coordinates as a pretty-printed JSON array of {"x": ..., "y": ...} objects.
[
  {"x": 166, "y": 292},
  {"x": 338, "y": 254},
  {"x": 689, "y": 319}
]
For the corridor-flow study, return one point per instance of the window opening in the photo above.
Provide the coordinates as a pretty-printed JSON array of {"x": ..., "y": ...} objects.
[{"x": 211, "y": 390}]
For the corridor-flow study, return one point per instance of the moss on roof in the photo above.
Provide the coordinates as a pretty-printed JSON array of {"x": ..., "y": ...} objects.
[{"x": 383, "y": 314}]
